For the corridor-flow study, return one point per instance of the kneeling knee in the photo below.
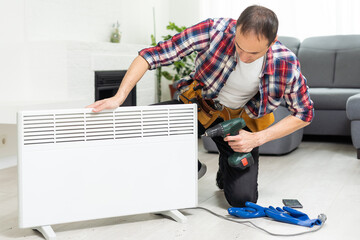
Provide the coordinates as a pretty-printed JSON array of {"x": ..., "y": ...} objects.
[{"x": 238, "y": 199}]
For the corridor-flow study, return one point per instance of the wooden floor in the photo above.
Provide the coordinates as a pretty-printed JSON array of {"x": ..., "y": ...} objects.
[{"x": 324, "y": 176}]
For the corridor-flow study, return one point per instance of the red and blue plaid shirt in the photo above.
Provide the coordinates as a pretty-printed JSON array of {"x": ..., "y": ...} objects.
[{"x": 213, "y": 39}]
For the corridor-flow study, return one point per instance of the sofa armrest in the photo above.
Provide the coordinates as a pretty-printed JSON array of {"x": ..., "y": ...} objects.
[
  {"x": 353, "y": 113},
  {"x": 353, "y": 107}
]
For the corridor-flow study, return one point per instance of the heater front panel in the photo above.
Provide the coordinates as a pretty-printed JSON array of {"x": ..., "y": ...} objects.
[{"x": 70, "y": 181}]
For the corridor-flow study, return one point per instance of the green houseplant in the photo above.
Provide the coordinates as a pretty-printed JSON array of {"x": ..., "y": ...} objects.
[{"x": 180, "y": 68}]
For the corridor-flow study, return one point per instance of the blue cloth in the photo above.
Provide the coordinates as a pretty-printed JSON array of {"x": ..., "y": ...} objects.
[
  {"x": 251, "y": 210},
  {"x": 285, "y": 214},
  {"x": 289, "y": 215}
]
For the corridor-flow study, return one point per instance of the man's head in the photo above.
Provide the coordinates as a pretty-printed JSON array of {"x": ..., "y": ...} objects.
[{"x": 256, "y": 31}]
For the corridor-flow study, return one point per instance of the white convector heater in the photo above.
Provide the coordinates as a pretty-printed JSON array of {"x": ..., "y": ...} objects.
[{"x": 76, "y": 165}]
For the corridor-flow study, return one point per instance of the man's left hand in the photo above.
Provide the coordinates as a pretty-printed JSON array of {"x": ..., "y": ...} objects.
[{"x": 244, "y": 142}]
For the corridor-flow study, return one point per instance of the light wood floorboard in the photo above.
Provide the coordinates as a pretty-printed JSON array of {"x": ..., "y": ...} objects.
[{"x": 324, "y": 176}]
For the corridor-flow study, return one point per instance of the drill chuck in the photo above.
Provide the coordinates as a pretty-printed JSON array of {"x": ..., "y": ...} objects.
[{"x": 215, "y": 131}]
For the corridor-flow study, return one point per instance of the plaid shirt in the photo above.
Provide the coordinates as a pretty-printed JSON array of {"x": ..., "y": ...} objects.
[{"x": 213, "y": 39}]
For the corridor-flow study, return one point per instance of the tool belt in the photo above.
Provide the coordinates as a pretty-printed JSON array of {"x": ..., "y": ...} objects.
[{"x": 209, "y": 111}]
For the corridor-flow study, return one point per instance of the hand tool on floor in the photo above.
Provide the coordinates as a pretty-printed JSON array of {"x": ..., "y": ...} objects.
[
  {"x": 285, "y": 214},
  {"x": 289, "y": 215},
  {"x": 231, "y": 128}
]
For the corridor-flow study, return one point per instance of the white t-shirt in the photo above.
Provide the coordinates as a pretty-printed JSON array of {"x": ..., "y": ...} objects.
[{"x": 242, "y": 84}]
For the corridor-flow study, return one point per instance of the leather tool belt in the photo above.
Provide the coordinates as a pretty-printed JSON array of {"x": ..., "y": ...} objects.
[{"x": 209, "y": 110}]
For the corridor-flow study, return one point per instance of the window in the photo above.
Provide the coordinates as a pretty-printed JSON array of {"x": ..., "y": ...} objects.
[{"x": 299, "y": 19}]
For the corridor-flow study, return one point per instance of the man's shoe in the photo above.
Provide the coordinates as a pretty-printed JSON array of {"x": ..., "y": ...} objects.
[
  {"x": 219, "y": 180},
  {"x": 201, "y": 169}
]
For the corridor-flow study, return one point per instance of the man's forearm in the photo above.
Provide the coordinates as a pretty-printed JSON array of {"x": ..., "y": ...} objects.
[
  {"x": 135, "y": 72},
  {"x": 282, "y": 128}
]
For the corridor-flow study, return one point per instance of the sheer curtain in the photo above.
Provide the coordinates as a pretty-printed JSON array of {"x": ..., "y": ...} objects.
[{"x": 299, "y": 19}]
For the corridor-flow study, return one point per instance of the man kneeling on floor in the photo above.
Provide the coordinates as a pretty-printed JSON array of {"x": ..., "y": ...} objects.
[{"x": 243, "y": 69}]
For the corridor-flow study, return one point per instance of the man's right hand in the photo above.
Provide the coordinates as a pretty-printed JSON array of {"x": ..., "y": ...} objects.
[{"x": 107, "y": 103}]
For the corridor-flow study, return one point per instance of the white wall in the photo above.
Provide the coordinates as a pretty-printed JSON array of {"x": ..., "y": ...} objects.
[
  {"x": 92, "y": 20},
  {"x": 12, "y": 21},
  {"x": 185, "y": 12},
  {"x": 31, "y": 29},
  {"x": 11, "y": 47}
]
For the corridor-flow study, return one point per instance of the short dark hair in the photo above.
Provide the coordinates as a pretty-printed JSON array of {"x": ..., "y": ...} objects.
[{"x": 261, "y": 20}]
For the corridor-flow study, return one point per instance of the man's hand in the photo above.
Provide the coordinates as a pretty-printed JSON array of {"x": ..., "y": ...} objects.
[
  {"x": 107, "y": 103},
  {"x": 244, "y": 142},
  {"x": 135, "y": 72}
]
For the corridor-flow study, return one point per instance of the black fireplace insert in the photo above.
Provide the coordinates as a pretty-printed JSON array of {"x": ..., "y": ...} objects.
[{"x": 107, "y": 83}]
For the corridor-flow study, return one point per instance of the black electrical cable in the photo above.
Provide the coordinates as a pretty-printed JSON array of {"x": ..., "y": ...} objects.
[{"x": 321, "y": 216}]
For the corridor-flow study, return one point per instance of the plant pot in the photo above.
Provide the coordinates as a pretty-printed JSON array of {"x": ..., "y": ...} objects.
[{"x": 172, "y": 90}]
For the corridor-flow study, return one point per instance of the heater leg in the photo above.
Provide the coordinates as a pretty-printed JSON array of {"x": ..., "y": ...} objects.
[
  {"x": 47, "y": 232},
  {"x": 174, "y": 214}
]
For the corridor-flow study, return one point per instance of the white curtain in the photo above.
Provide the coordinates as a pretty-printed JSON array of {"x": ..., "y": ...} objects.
[{"x": 301, "y": 18}]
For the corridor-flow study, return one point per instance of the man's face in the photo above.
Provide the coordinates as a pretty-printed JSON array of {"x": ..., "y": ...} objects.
[{"x": 249, "y": 47}]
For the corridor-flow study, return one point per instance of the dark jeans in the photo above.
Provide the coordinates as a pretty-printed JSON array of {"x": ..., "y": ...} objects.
[{"x": 239, "y": 185}]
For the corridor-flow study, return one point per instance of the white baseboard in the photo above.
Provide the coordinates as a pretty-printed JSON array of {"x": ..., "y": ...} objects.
[{"x": 9, "y": 161}]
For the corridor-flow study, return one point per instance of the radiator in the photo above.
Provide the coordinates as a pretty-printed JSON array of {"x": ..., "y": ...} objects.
[{"x": 76, "y": 165}]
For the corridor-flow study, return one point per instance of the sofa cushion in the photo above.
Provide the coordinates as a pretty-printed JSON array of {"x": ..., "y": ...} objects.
[
  {"x": 347, "y": 68},
  {"x": 331, "y": 98},
  {"x": 353, "y": 107},
  {"x": 331, "y": 61},
  {"x": 317, "y": 66},
  {"x": 329, "y": 122}
]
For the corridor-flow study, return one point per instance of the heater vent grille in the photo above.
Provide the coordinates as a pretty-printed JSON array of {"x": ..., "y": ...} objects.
[{"x": 60, "y": 127}]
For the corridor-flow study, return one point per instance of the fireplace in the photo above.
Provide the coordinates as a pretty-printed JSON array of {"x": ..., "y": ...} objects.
[{"x": 107, "y": 83}]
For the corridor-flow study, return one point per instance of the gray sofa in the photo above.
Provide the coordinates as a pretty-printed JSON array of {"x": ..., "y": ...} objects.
[{"x": 331, "y": 65}]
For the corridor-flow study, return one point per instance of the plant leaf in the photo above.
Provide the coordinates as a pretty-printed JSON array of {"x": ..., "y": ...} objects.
[{"x": 167, "y": 75}]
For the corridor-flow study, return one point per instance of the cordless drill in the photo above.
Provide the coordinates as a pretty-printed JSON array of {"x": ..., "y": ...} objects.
[{"x": 231, "y": 128}]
